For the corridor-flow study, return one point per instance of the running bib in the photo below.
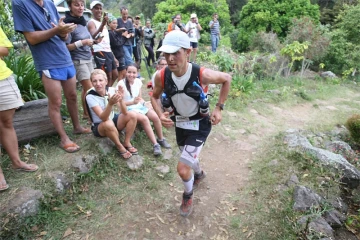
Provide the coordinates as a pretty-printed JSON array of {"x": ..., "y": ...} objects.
[{"x": 190, "y": 125}]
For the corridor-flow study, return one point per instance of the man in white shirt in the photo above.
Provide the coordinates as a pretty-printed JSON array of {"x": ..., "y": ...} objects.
[{"x": 193, "y": 29}]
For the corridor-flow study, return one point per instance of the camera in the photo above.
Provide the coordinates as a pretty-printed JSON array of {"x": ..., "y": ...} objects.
[
  {"x": 148, "y": 31},
  {"x": 106, "y": 14},
  {"x": 99, "y": 35},
  {"x": 130, "y": 30}
]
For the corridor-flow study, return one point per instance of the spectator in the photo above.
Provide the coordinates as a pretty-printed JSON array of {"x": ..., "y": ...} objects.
[
  {"x": 136, "y": 103},
  {"x": 149, "y": 35},
  {"x": 45, "y": 33},
  {"x": 10, "y": 99},
  {"x": 127, "y": 34},
  {"x": 79, "y": 44},
  {"x": 103, "y": 56},
  {"x": 176, "y": 24},
  {"x": 193, "y": 29},
  {"x": 134, "y": 41},
  {"x": 116, "y": 44},
  {"x": 159, "y": 45},
  {"x": 139, "y": 35},
  {"x": 104, "y": 122},
  {"x": 214, "y": 32}
]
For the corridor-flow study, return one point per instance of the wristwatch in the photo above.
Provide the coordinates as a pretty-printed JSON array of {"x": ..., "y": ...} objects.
[{"x": 220, "y": 105}]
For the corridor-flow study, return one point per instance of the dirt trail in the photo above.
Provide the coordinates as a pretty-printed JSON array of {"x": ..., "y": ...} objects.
[{"x": 225, "y": 158}]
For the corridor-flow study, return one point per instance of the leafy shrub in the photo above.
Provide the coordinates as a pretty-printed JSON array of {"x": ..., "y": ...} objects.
[
  {"x": 353, "y": 125},
  {"x": 272, "y": 15},
  {"x": 26, "y": 77},
  {"x": 265, "y": 42},
  {"x": 241, "y": 84},
  {"x": 224, "y": 61}
]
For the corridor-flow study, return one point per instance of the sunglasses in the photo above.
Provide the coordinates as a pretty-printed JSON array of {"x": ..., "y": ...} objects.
[{"x": 47, "y": 15}]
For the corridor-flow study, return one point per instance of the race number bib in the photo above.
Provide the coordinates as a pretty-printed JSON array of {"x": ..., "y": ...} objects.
[{"x": 190, "y": 125}]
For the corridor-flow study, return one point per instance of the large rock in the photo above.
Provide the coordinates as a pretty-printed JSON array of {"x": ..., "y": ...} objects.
[
  {"x": 320, "y": 227},
  {"x": 341, "y": 148},
  {"x": 83, "y": 164},
  {"x": 334, "y": 218},
  {"x": 328, "y": 74},
  {"x": 61, "y": 181},
  {"x": 305, "y": 198},
  {"x": 32, "y": 120},
  {"x": 135, "y": 162},
  {"x": 299, "y": 143},
  {"x": 24, "y": 203}
]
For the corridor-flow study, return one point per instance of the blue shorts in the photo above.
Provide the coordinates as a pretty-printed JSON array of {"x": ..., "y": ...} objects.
[
  {"x": 194, "y": 44},
  {"x": 61, "y": 74}
]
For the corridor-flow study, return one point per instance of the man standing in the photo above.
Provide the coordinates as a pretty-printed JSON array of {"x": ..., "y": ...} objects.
[
  {"x": 192, "y": 119},
  {"x": 193, "y": 29},
  {"x": 127, "y": 34},
  {"x": 138, "y": 40},
  {"x": 214, "y": 32},
  {"x": 103, "y": 56},
  {"x": 45, "y": 33}
]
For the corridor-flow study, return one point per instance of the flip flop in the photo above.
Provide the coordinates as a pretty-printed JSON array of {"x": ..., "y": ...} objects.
[
  {"x": 34, "y": 169},
  {"x": 125, "y": 155},
  {"x": 132, "y": 150},
  {"x": 84, "y": 131},
  {"x": 67, "y": 147},
  {"x": 4, "y": 188}
]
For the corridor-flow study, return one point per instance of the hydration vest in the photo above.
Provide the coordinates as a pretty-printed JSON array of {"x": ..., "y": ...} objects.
[{"x": 171, "y": 89}]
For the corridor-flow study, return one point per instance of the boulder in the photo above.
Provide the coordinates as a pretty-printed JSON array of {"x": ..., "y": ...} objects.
[
  {"x": 25, "y": 202},
  {"x": 61, "y": 181},
  {"x": 328, "y": 74},
  {"x": 305, "y": 198},
  {"x": 135, "y": 162},
  {"x": 341, "y": 148},
  {"x": 83, "y": 164},
  {"x": 334, "y": 218},
  {"x": 320, "y": 227},
  {"x": 299, "y": 143}
]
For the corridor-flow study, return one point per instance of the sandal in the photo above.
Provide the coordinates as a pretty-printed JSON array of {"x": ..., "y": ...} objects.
[
  {"x": 132, "y": 150},
  {"x": 125, "y": 155}
]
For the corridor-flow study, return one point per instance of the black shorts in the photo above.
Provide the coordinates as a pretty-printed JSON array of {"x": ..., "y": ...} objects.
[
  {"x": 95, "y": 127},
  {"x": 194, "y": 44},
  {"x": 194, "y": 137},
  {"x": 105, "y": 61}
]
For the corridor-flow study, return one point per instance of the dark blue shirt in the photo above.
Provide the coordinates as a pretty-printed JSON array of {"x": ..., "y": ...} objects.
[{"x": 30, "y": 17}]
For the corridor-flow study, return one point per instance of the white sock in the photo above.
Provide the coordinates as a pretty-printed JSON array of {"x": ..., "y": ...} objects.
[{"x": 189, "y": 184}]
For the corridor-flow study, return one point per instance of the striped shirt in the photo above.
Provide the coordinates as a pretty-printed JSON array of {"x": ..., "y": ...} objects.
[{"x": 215, "y": 30}]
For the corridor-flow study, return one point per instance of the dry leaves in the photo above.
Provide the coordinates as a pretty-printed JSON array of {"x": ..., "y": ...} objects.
[{"x": 68, "y": 232}]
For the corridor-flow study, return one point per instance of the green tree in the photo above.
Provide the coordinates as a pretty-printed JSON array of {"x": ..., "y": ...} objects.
[
  {"x": 344, "y": 49},
  {"x": 271, "y": 15},
  {"x": 204, "y": 10},
  {"x": 6, "y": 22}
]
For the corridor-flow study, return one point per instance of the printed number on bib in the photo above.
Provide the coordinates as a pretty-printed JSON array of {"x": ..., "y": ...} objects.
[{"x": 190, "y": 125}]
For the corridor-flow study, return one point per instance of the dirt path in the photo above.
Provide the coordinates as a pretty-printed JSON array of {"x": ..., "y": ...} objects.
[{"x": 225, "y": 158}]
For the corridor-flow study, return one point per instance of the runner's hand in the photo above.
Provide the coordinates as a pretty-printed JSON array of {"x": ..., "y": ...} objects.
[
  {"x": 215, "y": 116},
  {"x": 166, "y": 121}
]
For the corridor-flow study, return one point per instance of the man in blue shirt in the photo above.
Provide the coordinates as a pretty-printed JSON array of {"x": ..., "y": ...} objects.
[
  {"x": 45, "y": 33},
  {"x": 214, "y": 32}
]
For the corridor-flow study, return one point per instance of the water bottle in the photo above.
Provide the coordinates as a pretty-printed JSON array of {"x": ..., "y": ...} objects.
[
  {"x": 166, "y": 102},
  {"x": 203, "y": 102}
]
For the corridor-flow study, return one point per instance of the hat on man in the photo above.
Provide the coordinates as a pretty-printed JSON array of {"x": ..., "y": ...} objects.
[
  {"x": 94, "y": 3},
  {"x": 137, "y": 17},
  {"x": 175, "y": 40},
  {"x": 193, "y": 15}
]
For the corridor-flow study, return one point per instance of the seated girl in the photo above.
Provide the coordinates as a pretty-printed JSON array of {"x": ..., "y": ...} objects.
[
  {"x": 100, "y": 101},
  {"x": 135, "y": 103}
]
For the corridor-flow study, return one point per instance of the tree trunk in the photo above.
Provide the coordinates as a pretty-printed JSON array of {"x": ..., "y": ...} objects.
[{"x": 32, "y": 120}]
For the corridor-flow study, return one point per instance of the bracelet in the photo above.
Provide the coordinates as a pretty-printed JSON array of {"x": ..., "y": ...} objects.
[{"x": 78, "y": 44}]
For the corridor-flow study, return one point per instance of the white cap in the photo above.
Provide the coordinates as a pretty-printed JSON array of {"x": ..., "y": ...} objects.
[
  {"x": 193, "y": 15},
  {"x": 93, "y": 3},
  {"x": 175, "y": 40}
]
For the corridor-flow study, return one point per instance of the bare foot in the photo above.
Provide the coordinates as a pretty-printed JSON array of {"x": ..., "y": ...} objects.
[
  {"x": 82, "y": 130},
  {"x": 3, "y": 184}
]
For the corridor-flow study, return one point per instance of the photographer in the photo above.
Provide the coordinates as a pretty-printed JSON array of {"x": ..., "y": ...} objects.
[
  {"x": 138, "y": 40},
  {"x": 177, "y": 24},
  {"x": 149, "y": 35},
  {"x": 125, "y": 23}
]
